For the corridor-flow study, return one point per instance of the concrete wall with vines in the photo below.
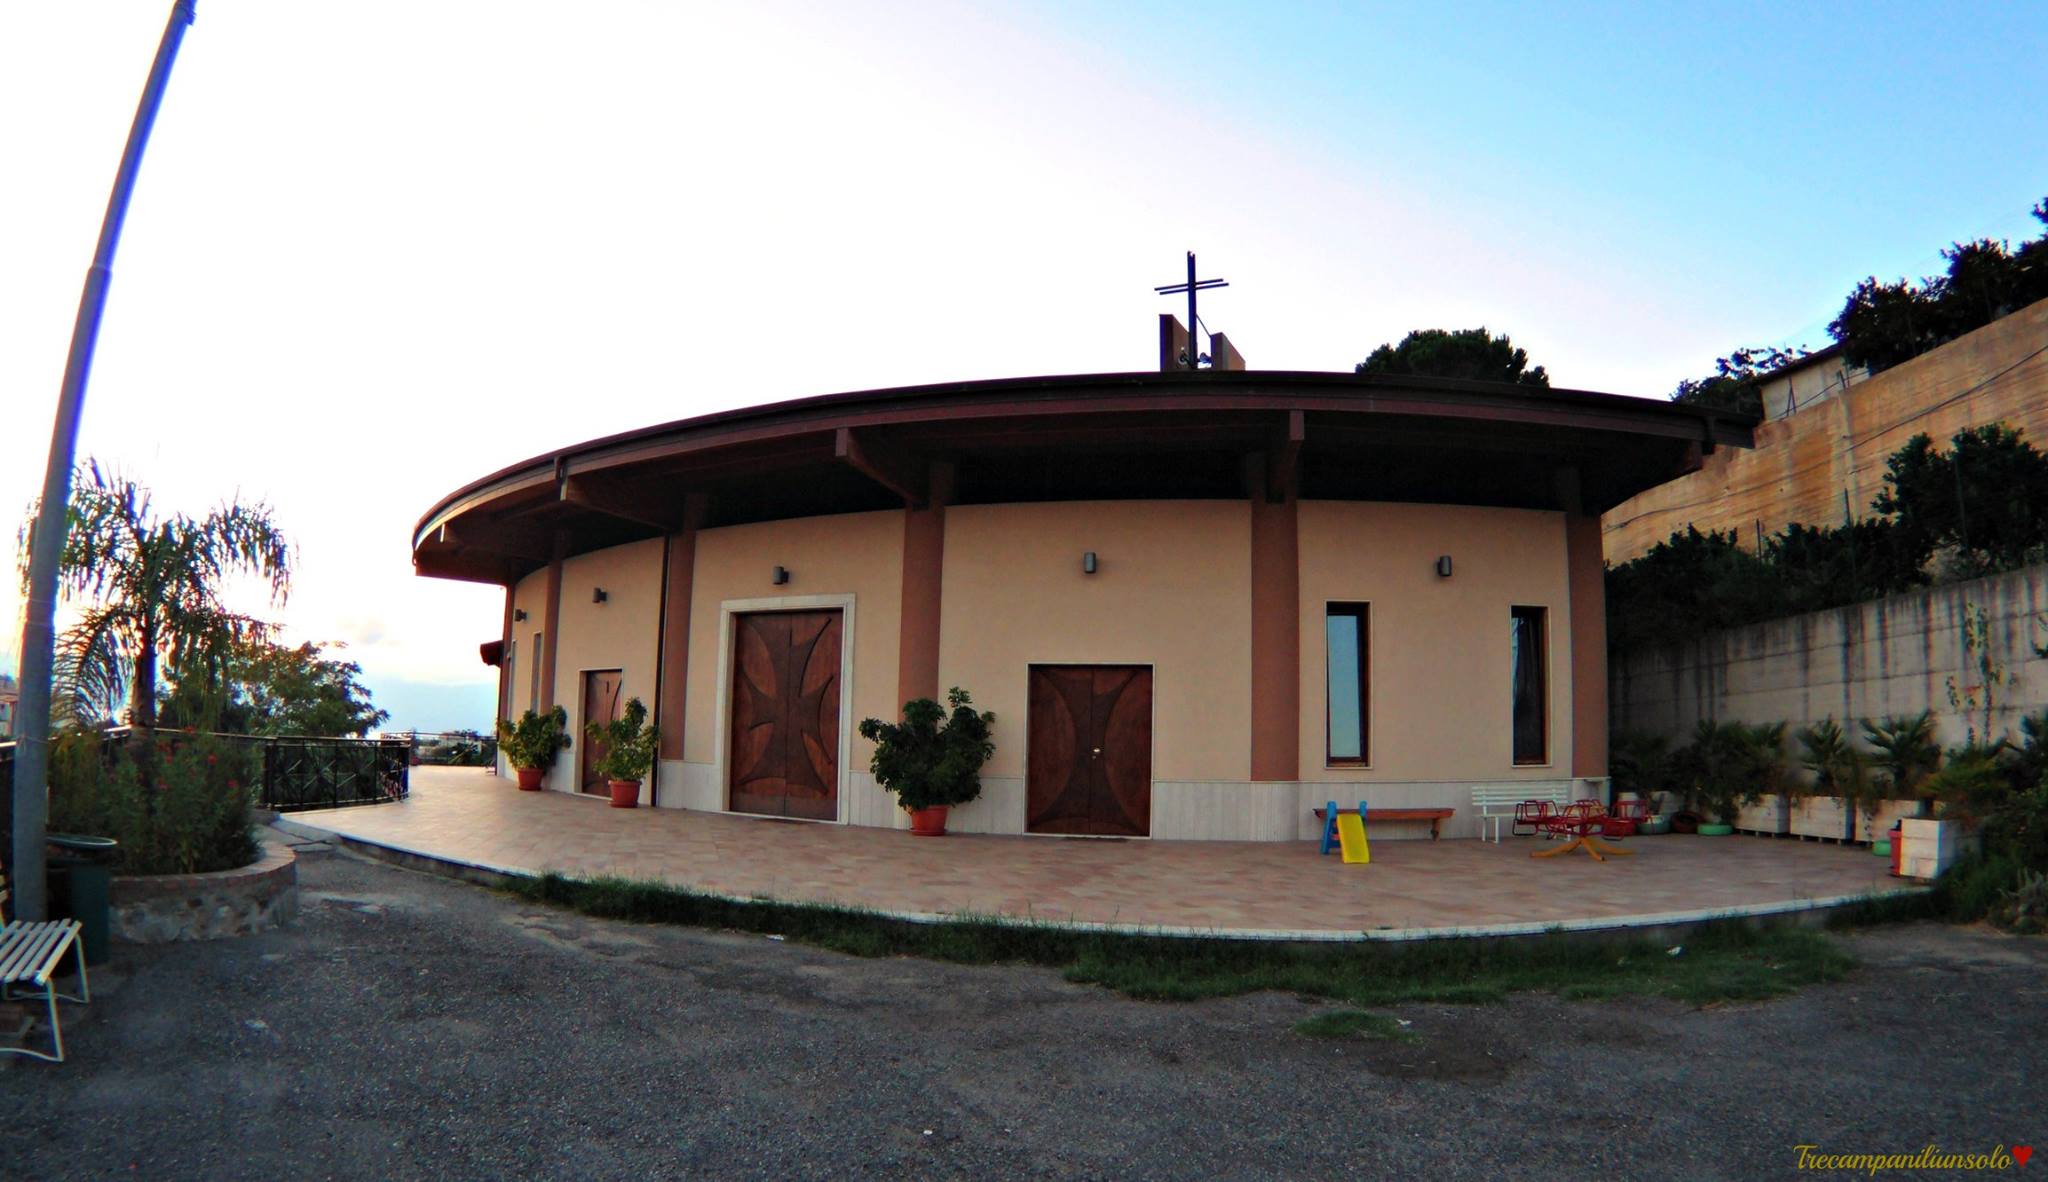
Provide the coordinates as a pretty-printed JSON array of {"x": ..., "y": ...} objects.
[{"x": 1975, "y": 653}]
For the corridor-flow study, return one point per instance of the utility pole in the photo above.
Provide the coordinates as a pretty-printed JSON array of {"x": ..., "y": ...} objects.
[{"x": 39, "y": 634}]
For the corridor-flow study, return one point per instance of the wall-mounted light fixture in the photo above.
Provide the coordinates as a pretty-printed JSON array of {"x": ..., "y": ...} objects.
[
  {"x": 597, "y": 595},
  {"x": 1088, "y": 563},
  {"x": 781, "y": 576},
  {"x": 1443, "y": 567},
  {"x": 518, "y": 615}
]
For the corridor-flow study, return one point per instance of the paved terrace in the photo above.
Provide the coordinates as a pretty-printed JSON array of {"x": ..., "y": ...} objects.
[{"x": 469, "y": 816}]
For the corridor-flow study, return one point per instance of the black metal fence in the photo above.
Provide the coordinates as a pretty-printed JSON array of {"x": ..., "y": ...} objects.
[
  {"x": 303, "y": 774},
  {"x": 451, "y": 748},
  {"x": 299, "y": 773}
]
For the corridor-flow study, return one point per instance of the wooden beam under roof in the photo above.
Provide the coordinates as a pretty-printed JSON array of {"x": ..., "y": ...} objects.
[
  {"x": 602, "y": 496},
  {"x": 1283, "y": 461},
  {"x": 878, "y": 462},
  {"x": 509, "y": 540}
]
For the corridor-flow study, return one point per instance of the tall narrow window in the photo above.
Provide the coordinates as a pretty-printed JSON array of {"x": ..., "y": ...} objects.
[
  {"x": 1348, "y": 646},
  {"x": 533, "y": 667},
  {"x": 1532, "y": 697},
  {"x": 511, "y": 688}
]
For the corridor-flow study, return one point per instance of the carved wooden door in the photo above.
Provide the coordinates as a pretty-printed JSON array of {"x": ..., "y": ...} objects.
[
  {"x": 1090, "y": 750},
  {"x": 783, "y": 753},
  {"x": 600, "y": 704}
]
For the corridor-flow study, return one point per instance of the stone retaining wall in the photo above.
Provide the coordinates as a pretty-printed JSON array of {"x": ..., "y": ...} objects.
[
  {"x": 161, "y": 909},
  {"x": 1865, "y": 660}
]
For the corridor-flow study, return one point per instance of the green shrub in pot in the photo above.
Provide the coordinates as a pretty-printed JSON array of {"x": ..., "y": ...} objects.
[
  {"x": 535, "y": 740},
  {"x": 933, "y": 758}
]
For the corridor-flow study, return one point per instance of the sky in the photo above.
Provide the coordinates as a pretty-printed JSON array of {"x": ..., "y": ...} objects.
[{"x": 381, "y": 250}]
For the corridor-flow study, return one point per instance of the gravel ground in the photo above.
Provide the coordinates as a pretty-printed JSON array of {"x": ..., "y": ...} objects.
[{"x": 410, "y": 1027}]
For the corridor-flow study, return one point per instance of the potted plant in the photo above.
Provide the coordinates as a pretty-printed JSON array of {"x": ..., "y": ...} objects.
[
  {"x": 531, "y": 744},
  {"x": 932, "y": 759},
  {"x": 1839, "y": 781},
  {"x": 1638, "y": 762},
  {"x": 1766, "y": 804},
  {"x": 1906, "y": 757},
  {"x": 628, "y": 745},
  {"x": 1713, "y": 769},
  {"x": 1977, "y": 780}
]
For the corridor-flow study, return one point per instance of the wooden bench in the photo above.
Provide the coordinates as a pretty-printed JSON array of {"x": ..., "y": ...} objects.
[
  {"x": 1435, "y": 817},
  {"x": 29, "y": 955}
]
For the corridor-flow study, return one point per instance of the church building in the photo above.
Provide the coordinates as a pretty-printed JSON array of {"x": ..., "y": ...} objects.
[{"x": 1200, "y": 602}]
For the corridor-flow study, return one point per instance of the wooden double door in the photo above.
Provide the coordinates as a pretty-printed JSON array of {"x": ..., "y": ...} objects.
[
  {"x": 1089, "y": 762},
  {"x": 783, "y": 749}
]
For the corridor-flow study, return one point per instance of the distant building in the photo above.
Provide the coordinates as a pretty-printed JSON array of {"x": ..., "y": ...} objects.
[
  {"x": 1811, "y": 379},
  {"x": 10, "y": 696}
]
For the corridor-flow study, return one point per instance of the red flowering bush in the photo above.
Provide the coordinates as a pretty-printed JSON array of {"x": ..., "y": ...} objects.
[{"x": 192, "y": 814}]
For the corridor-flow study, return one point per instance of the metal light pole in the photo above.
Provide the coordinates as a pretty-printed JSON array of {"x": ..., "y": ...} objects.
[{"x": 39, "y": 635}]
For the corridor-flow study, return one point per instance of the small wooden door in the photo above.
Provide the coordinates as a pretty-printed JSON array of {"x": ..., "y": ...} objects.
[
  {"x": 783, "y": 755},
  {"x": 1089, "y": 759},
  {"x": 600, "y": 704}
]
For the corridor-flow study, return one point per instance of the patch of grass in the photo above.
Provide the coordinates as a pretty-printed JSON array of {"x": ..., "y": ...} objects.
[
  {"x": 1721, "y": 964},
  {"x": 1967, "y": 892},
  {"x": 1731, "y": 963},
  {"x": 1354, "y": 1024}
]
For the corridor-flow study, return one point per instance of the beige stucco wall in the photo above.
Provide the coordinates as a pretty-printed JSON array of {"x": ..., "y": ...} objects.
[
  {"x": 1440, "y": 659},
  {"x": 531, "y": 597},
  {"x": 857, "y": 554},
  {"x": 620, "y": 633},
  {"x": 1172, "y": 590}
]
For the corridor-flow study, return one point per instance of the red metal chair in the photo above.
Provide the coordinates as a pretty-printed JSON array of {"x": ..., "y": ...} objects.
[
  {"x": 1574, "y": 820},
  {"x": 1625, "y": 817},
  {"x": 1580, "y": 822},
  {"x": 1532, "y": 813}
]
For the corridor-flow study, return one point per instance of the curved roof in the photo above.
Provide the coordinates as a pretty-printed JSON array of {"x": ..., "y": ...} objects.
[{"x": 1086, "y": 436}]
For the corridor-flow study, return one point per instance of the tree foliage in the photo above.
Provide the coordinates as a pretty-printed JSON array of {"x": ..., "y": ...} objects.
[
  {"x": 185, "y": 809},
  {"x": 1690, "y": 583},
  {"x": 1982, "y": 506},
  {"x": 150, "y": 589},
  {"x": 1470, "y": 353},
  {"x": 1986, "y": 500},
  {"x": 272, "y": 689},
  {"x": 1883, "y": 324},
  {"x": 1736, "y": 385}
]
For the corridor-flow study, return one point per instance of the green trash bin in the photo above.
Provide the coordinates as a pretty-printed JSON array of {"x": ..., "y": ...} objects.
[{"x": 81, "y": 883}]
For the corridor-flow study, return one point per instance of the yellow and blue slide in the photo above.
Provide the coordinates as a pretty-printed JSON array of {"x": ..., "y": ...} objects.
[{"x": 1347, "y": 831}]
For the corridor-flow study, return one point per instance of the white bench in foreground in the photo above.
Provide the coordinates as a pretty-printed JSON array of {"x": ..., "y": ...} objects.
[{"x": 29, "y": 956}]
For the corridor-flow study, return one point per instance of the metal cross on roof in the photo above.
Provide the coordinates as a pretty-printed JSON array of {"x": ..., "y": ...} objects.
[{"x": 1192, "y": 286}]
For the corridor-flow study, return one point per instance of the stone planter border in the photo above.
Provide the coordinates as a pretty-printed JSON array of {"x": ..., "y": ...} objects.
[{"x": 220, "y": 905}]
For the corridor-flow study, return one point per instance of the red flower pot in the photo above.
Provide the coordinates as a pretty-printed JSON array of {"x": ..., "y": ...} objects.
[
  {"x": 625, "y": 793},
  {"x": 529, "y": 778},
  {"x": 929, "y": 822}
]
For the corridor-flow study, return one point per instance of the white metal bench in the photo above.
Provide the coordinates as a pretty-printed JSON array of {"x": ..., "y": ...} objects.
[
  {"x": 1496, "y": 802},
  {"x": 29, "y": 956}
]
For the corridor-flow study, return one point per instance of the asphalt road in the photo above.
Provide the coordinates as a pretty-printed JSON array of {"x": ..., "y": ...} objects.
[{"x": 409, "y": 1027}]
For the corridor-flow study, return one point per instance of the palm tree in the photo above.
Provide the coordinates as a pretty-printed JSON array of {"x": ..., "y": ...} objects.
[{"x": 152, "y": 588}]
